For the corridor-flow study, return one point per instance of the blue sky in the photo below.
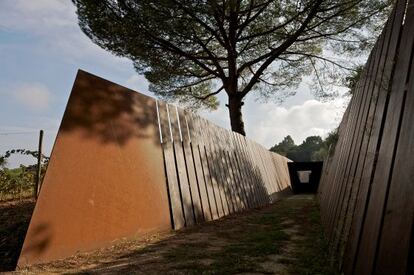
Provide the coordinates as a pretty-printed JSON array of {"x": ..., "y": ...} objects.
[{"x": 41, "y": 49}]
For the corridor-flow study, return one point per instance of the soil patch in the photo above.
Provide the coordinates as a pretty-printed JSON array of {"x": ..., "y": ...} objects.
[
  {"x": 284, "y": 238},
  {"x": 14, "y": 221}
]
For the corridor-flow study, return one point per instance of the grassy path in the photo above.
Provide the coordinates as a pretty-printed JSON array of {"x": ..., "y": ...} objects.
[{"x": 284, "y": 238}]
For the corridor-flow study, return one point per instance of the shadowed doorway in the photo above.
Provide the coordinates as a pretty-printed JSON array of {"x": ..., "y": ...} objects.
[{"x": 305, "y": 176}]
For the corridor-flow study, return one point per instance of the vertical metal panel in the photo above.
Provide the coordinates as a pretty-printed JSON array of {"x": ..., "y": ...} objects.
[
  {"x": 256, "y": 176},
  {"x": 266, "y": 162},
  {"x": 277, "y": 183},
  {"x": 222, "y": 181},
  {"x": 189, "y": 161},
  {"x": 376, "y": 121},
  {"x": 345, "y": 148},
  {"x": 274, "y": 177},
  {"x": 211, "y": 160},
  {"x": 386, "y": 156},
  {"x": 262, "y": 172},
  {"x": 186, "y": 199},
  {"x": 397, "y": 229},
  {"x": 105, "y": 179},
  {"x": 361, "y": 193},
  {"x": 170, "y": 168},
  {"x": 248, "y": 171},
  {"x": 362, "y": 127},
  {"x": 220, "y": 167},
  {"x": 228, "y": 170},
  {"x": 279, "y": 168},
  {"x": 239, "y": 170},
  {"x": 198, "y": 166},
  {"x": 208, "y": 175},
  {"x": 350, "y": 138},
  {"x": 238, "y": 181}
]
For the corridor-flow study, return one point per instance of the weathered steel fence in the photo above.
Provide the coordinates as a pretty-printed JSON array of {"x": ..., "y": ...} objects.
[
  {"x": 126, "y": 165},
  {"x": 367, "y": 187},
  {"x": 213, "y": 172}
]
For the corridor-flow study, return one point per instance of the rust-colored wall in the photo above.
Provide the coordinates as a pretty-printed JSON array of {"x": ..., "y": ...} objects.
[
  {"x": 107, "y": 180},
  {"x": 106, "y": 176}
]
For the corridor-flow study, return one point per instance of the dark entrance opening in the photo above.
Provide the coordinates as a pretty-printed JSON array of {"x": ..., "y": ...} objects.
[{"x": 305, "y": 176}]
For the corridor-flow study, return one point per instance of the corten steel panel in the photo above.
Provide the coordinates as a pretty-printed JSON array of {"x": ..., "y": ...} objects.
[
  {"x": 212, "y": 168},
  {"x": 190, "y": 166},
  {"x": 170, "y": 167},
  {"x": 105, "y": 179},
  {"x": 195, "y": 143},
  {"x": 181, "y": 166},
  {"x": 206, "y": 169}
]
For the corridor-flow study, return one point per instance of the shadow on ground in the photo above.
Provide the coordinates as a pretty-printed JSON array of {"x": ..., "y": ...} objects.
[
  {"x": 284, "y": 238},
  {"x": 14, "y": 221}
]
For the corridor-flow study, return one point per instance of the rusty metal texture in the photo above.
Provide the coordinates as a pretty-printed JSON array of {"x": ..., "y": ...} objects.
[
  {"x": 105, "y": 179},
  {"x": 125, "y": 165}
]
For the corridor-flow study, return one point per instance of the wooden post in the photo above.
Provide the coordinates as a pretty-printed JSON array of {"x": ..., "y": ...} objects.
[{"x": 39, "y": 165}]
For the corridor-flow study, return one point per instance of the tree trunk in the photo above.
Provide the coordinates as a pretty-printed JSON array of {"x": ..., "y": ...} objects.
[{"x": 236, "y": 117}]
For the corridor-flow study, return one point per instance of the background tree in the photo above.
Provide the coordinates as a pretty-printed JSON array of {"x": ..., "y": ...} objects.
[
  {"x": 304, "y": 151},
  {"x": 192, "y": 50},
  {"x": 313, "y": 148},
  {"x": 284, "y": 146},
  {"x": 3, "y": 161},
  {"x": 19, "y": 182},
  {"x": 327, "y": 147}
]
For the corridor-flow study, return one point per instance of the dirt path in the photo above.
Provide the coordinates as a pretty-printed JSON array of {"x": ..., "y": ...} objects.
[{"x": 284, "y": 238}]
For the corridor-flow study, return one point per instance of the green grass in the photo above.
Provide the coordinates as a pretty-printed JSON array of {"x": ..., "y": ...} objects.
[
  {"x": 312, "y": 257},
  {"x": 254, "y": 237},
  {"x": 285, "y": 237}
]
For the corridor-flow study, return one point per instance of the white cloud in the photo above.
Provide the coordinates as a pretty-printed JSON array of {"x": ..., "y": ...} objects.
[
  {"x": 56, "y": 24},
  {"x": 269, "y": 123},
  {"x": 35, "y": 96},
  {"x": 38, "y": 16},
  {"x": 272, "y": 123}
]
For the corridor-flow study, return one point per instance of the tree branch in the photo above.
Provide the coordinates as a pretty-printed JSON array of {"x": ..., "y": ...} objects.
[
  {"x": 201, "y": 22},
  {"x": 209, "y": 95},
  {"x": 321, "y": 58},
  {"x": 172, "y": 48},
  {"x": 195, "y": 83},
  {"x": 274, "y": 28},
  {"x": 212, "y": 56},
  {"x": 284, "y": 46},
  {"x": 317, "y": 74},
  {"x": 251, "y": 19}
]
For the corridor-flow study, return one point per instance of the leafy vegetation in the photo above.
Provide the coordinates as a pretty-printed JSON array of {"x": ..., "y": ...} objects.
[
  {"x": 19, "y": 182},
  {"x": 313, "y": 148},
  {"x": 16, "y": 183}
]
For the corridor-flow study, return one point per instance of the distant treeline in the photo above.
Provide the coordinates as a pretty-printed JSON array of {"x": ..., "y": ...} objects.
[{"x": 313, "y": 148}]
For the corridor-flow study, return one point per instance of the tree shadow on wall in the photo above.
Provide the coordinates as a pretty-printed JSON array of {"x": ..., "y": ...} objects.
[
  {"x": 107, "y": 112},
  {"x": 237, "y": 184},
  {"x": 242, "y": 181}
]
